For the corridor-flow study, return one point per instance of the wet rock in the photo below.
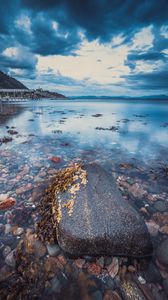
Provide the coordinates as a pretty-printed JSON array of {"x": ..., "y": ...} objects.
[
  {"x": 53, "y": 250},
  {"x": 162, "y": 252},
  {"x": 97, "y": 221}
]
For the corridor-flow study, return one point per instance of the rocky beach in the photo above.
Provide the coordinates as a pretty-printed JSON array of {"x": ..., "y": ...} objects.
[{"x": 48, "y": 252}]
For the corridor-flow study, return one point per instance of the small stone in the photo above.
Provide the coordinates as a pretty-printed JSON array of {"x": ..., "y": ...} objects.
[
  {"x": 111, "y": 295},
  {"x": 93, "y": 268},
  {"x": 131, "y": 269},
  {"x": 10, "y": 259},
  {"x": 6, "y": 251},
  {"x": 141, "y": 280},
  {"x": 164, "y": 229},
  {"x": 100, "y": 261},
  {"x": 51, "y": 265},
  {"x": 161, "y": 206},
  {"x": 55, "y": 159},
  {"x": 162, "y": 252},
  {"x": 8, "y": 228},
  {"x": 3, "y": 197},
  {"x": 113, "y": 268},
  {"x": 7, "y": 203},
  {"x": 152, "y": 228},
  {"x": 18, "y": 231},
  {"x": 40, "y": 249},
  {"x": 137, "y": 191},
  {"x": 53, "y": 250},
  {"x": 79, "y": 263},
  {"x": 62, "y": 259}
]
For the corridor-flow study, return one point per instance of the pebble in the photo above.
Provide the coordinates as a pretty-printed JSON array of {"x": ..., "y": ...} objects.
[
  {"x": 6, "y": 251},
  {"x": 53, "y": 250},
  {"x": 141, "y": 280},
  {"x": 153, "y": 228},
  {"x": 18, "y": 231},
  {"x": 162, "y": 252},
  {"x": 8, "y": 228},
  {"x": 111, "y": 295},
  {"x": 79, "y": 263},
  {"x": 113, "y": 268},
  {"x": 164, "y": 229},
  {"x": 93, "y": 268},
  {"x": 10, "y": 259}
]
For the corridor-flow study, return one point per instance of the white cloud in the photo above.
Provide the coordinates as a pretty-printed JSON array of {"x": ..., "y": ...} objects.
[
  {"x": 143, "y": 40},
  {"x": 147, "y": 67},
  {"x": 164, "y": 31},
  {"x": 11, "y": 52},
  {"x": 101, "y": 63},
  {"x": 24, "y": 23}
]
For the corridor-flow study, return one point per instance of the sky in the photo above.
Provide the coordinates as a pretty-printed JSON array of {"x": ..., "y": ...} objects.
[{"x": 86, "y": 47}]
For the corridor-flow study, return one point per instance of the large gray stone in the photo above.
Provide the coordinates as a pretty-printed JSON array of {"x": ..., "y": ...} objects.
[{"x": 102, "y": 222}]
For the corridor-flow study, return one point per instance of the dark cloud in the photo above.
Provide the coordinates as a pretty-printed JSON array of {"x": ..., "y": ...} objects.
[
  {"x": 96, "y": 19},
  {"x": 148, "y": 81},
  {"x": 147, "y": 56}
]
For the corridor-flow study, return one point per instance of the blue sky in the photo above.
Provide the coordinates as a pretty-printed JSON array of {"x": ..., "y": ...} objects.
[{"x": 89, "y": 47}]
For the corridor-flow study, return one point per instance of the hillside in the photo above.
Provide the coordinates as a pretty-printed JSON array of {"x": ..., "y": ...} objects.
[{"x": 7, "y": 82}]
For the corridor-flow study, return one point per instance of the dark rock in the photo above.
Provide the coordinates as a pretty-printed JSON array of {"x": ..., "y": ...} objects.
[
  {"x": 101, "y": 222},
  {"x": 162, "y": 252}
]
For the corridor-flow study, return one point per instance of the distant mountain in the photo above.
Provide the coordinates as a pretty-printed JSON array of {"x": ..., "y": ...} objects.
[
  {"x": 8, "y": 82},
  {"x": 152, "y": 97}
]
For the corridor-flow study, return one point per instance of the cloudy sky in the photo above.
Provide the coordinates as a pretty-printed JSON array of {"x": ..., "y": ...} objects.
[{"x": 86, "y": 47}]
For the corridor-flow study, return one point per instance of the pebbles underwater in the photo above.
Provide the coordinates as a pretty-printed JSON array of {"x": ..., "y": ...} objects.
[{"x": 32, "y": 265}]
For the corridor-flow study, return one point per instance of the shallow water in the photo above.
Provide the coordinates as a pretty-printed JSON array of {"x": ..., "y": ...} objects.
[{"x": 129, "y": 138}]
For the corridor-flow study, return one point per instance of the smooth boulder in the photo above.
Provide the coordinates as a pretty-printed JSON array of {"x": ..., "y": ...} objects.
[{"x": 98, "y": 221}]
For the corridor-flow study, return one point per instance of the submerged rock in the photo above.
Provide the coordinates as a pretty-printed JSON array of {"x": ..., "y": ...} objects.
[{"x": 94, "y": 219}]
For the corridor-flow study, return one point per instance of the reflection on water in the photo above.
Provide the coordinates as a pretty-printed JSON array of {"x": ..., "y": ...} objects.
[{"x": 128, "y": 138}]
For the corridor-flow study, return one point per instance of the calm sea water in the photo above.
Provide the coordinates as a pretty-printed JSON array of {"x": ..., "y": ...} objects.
[
  {"x": 141, "y": 127},
  {"x": 130, "y": 138}
]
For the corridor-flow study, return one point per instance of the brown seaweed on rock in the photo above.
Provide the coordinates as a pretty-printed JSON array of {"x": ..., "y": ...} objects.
[{"x": 49, "y": 206}]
